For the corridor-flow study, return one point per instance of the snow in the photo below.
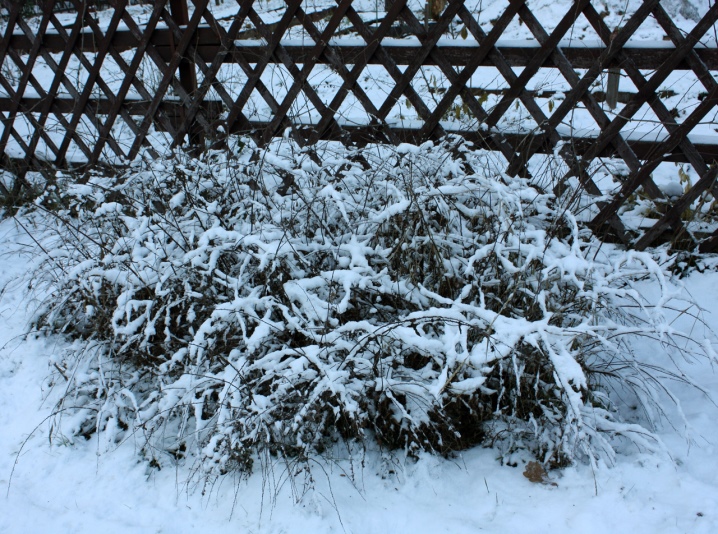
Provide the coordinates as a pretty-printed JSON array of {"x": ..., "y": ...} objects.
[
  {"x": 72, "y": 489},
  {"x": 80, "y": 487},
  {"x": 464, "y": 43}
]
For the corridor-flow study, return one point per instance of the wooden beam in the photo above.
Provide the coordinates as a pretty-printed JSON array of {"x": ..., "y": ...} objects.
[{"x": 516, "y": 54}]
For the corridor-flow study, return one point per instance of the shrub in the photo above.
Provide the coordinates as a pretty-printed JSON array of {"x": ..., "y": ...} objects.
[{"x": 265, "y": 303}]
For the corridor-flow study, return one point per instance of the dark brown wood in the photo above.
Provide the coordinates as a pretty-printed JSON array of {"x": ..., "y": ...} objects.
[
  {"x": 81, "y": 103},
  {"x": 187, "y": 74},
  {"x": 691, "y": 152},
  {"x": 200, "y": 124},
  {"x": 13, "y": 14},
  {"x": 648, "y": 91},
  {"x": 645, "y": 58},
  {"x": 674, "y": 214},
  {"x": 100, "y": 106},
  {"x": 706, "y": 79},
  {"x": 350, "y": 78},
  {"x": 428, "y": 43},
  {"x": 637, "y": 77},
  {"x": 677, "y": 135},
  {"x": 488, "y": 43},
  {"x": 300, "y": 80},
  {"x": 168, "y": 75},
  {"x": 131, "y": 79},
  {"x": 253, "y": 77},
  {"x": 369, "y": 134},
  {"x": 54, "y": 86},
  {"x": 448, "y": 70},
  {"x": 294, "y": 71},
  {"x": 26, "y": 69},
  {"x": 253, "y": 33},
  {"x": 377, "y": 50},
  {"x": 199, "y": 45},
  {"x": 602, "y": 63},
  {"x": 656, "y": 157},
  {"x": 71, "y": 87},
  {"x": 580, "y": 93},
  {"x": 536, "y": 62},
  {"x": 210, "y": 73},
  {"x": 118, "y": 105},
  {"x": 709, "y": 245}
]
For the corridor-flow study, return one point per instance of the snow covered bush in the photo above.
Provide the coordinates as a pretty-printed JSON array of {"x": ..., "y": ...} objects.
[{"x": 264, "y": 303}]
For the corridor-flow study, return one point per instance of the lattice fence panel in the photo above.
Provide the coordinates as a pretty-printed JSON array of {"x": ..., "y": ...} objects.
[{"x": 107, "y": 84}]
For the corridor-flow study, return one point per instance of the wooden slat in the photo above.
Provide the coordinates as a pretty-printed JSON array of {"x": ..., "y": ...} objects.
[
  {"x": 293, "y": 71},
  {"x": 29, "y": 78},
  {"x": 580, "y": 56},
  {"x": 705, "y": 78},
  {"x": 185, "y": 37},
  {"x": 536, "y": 62},
  {"x": 674, "y": 214},
  {"x": 26, "y": 69},
  {"x": 636, "y": 77},
  {"x": 92, "y": 80},
  {"x": 678, "y": 133},
  {"x": 371, "y": 133},
  {"x": 54, "y": 86},
  {"x": 487, "y": 47},
  {"x": 350, "y": 78},
  {"x": 131, "y": 80},
  {"x": 602, "y": 64},
  {"x": 253, "y": 77},
  {"x": 210, "y": 73},
  {"x": 688, "y": 149},
  {"x": 379, "y": 52},
  {"x": 13, "y": 14},
  {"x": 648, "y": 90},
  {"x": 655, "y": 157},
  {"x": 204, "y": 44},
  {"x": 579, "y": 92},
  {"x": 301, "y": 78},
  {"x": 448, "y": 70},
  {"x": 168, "y": 74},
  {"x": 187, "y": 74},
  {"x": 65, "y": 105},
  {"x": 71, "y": 87},
  {"x": 116, "y": 102},
  {"x": 429, "y": 40}
]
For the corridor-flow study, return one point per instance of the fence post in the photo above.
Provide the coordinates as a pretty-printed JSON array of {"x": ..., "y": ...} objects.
[{"x": 187, "y": 74}]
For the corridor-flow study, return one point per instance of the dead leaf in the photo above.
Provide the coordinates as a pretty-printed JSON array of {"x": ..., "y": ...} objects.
[{"x": 536, "y": 473}]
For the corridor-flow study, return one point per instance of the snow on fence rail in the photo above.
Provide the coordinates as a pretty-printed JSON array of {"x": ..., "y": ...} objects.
[{"x": 173, "y": 71}]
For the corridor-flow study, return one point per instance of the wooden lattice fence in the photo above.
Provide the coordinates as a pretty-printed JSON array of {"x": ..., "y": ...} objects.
[{"x": 112, "y": 109}]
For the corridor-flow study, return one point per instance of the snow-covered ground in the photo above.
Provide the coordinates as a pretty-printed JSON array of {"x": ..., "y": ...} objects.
[
  {"x": 74, "y": 488},
  {"x": 63, "y": 487}
]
